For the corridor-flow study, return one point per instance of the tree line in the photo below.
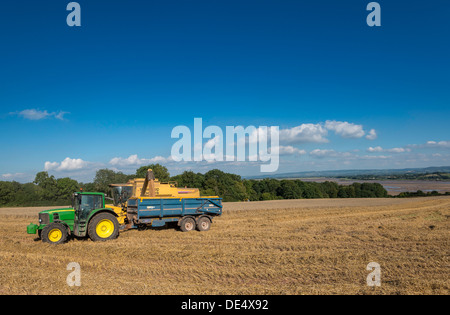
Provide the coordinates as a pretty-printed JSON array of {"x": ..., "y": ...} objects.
[
  {"x": 420, "y": 193},
  {"x": 46, "y": 190},
  {"x": 434, "y": 176}
]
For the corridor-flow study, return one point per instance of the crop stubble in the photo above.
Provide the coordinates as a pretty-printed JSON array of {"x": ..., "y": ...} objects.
[{"x": 274, "y": 247}]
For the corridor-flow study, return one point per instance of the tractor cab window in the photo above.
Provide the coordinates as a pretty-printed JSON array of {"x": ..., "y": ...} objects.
[
  {"x": 98, "y": 202},
  {"x": 84, "y": 204}
]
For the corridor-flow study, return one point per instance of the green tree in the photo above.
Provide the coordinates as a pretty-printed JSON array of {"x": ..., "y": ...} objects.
[
  {"x": 89, "y": 187},
  {"x": 160, "y": 172},
  {"x": 269, "y": 185},
  {"x": 237, "y": 192},
  {"x": 189, "y": 179},
  {"x": 225, "y": 185},
  {"x": 379, "y": 190},
  {"x": 310, "y": 190},
  {"x": 346, "y": 191},
  {"x": 27, "y": 195},
  {"x": 48, "y": 185},
  {"x": 7, "y": 193},
  {"x": 357, "y": 190},
  {"x": 331, "y": 189},
  {"x": 66, "y": 187},
  {"x": 267, "y": 196},
  {"x": 289, "y": 190},
  {"x": 105, "y": 177},
  {"x": 211, "y": 185},
  {"x": 249, "y": 187}
]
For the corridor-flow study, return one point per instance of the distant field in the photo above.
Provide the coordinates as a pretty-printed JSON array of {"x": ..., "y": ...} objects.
[
  {"x": 313, "y": 246},
  {"x": 394, "y": 187}
]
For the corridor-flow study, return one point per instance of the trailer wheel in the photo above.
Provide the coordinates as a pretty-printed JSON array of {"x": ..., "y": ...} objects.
[
  {"x": 187, "y": 224},
  {"x": 54, "y": 233},
  {"x": 103, "y": 227},
  {"x": 203, "y": 224}
]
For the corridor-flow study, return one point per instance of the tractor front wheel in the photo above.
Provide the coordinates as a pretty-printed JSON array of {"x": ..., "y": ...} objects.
[
  {"x": 103, "y": 227},
  {"x": 54, "y": 233}
]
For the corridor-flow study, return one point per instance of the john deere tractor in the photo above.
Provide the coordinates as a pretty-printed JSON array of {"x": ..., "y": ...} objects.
[{"x": 87, "y": 217}]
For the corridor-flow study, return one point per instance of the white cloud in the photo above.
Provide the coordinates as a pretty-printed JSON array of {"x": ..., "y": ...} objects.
[
  {"x": 376, "y": 149},
  {"x": 322, "y": 153},
  {"x": 134, "y": 160},
  {"x": 67, "y": 164},
  {"x": 345, "y": 129},
  {"x": 34, "y": 114},
  {"x": 317, "y": 133},
  {"x": 440, "y": 144},
  {"x": 131, "y": 160},
  {"x": 60, "y": 115},
  {"x": 290, "y": 150},
  {"x": 398, "y": 150},
  {"x": 49, "y": 166},
  {"x": 10, "y": 176},
  {"x": 372, "y": 135},
  {"x": 19, "y": 177},
  {"x": 375, "y": 157},
  {"x": 319, "y": 153},
  {"x": 304, "y": 133},
  {"x": 72, "y": 164},
  {"x": 393, "y": 150}
]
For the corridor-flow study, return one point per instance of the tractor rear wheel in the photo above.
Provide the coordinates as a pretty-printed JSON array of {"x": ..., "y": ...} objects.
[
  {"x": 103, "y": 227},
  {"x": 54, "y": 233}
]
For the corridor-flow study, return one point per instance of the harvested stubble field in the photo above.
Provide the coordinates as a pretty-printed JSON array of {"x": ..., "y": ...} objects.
[{"x": 274, "y": 247}]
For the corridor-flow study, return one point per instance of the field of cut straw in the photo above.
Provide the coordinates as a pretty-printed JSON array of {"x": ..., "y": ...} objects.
[{"x": 274, "y": 247}]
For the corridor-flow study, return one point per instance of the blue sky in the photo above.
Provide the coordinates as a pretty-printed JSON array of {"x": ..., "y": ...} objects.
[{"x": 75, "y": 99}]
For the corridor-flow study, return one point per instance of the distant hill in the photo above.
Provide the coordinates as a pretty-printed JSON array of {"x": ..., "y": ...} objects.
[{"x": 357, "y": 173}]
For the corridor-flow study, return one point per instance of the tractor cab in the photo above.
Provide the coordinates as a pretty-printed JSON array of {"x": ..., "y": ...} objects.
[
  {"x": 93, "y": 218},
  {"x": 85, "y": 203}
]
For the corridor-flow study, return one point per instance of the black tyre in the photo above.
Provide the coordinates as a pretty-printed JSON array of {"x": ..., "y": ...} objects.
[
  {"x": 203, "y": 224},
  {"x": 187, "y": 224},
  {"x": 103, "y": 227},
  {"x": 54, "y": 233}
]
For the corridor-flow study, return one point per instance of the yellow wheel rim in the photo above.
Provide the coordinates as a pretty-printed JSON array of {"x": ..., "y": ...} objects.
[
  {"x": 55, "y": 235},
  {"x": 105, "y": 228}
]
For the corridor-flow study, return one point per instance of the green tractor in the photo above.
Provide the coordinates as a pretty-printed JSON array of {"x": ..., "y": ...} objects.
[{"x": 87, "y": 217}]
